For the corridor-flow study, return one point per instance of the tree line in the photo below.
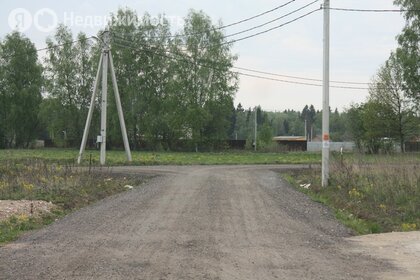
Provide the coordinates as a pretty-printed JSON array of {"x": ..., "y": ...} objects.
[
  {"x": 173, "y": 86},
  {"x": 392, "y": 110},
  {"x": 177, "y": 89},
  {"x": 287, "y": 123}
]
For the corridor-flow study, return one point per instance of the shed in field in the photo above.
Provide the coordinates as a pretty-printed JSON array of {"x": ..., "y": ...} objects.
[{"x": 292, "y": 143}]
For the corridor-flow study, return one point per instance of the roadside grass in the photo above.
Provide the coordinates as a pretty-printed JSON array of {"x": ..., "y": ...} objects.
[
  {"x": 66, "y": 187},
  {"x": 13, "y": 227},
  {"x": 69, "y": 156},
  {"x": 368, "y": 194}
]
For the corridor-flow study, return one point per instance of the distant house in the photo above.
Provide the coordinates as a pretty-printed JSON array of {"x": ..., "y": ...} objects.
[
  {"x": 292, "y": 143},
  {"x": 413, "y": 145}
]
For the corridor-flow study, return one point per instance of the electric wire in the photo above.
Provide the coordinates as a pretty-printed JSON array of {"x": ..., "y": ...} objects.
[
  {"x": 187, "y": 60},
  {"x": 47, "y": 48},
  {"x": 297, "y": 77},
  {"x": 259, "y": 71},
  {"x": 249, "y": 29},
  {"x": 237, "y": 22},
  {"x": 270, "y": 29},
  {"x": 299, "y": 83},
  {"x": 271, "y": 21},
  {"x": 249, "y": 36},
  {"x": 371, "y": 10},
  {"x": 256, "y": 16}
]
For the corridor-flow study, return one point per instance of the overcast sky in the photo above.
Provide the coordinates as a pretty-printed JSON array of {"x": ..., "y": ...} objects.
[{"x": 360, "y": 42}]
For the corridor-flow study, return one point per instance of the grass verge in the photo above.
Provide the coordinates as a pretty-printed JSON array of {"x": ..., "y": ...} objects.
[
  {"x": 69, "y": 156},
  {"x": 369, "y": 196},
  {"x": 13, "y": 227},
  {"x": 66, "y": 187}
]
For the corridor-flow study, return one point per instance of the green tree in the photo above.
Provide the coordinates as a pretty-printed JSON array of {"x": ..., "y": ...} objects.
[
  {"x": 354, "y": 124},
  {"x": 20, "y": 91},
  {"x": 240, "y": 130},
  {"x": 388, "y": 90},
  {"x": 173, "y": 86},
  {"x": 69, "y": 74},
  {"x": 206, "y": 82},
  {"x": 265, "y": 134},
  {"x": 150, "y": 79},
  {"x": 338, "y": 126},
  {"x": 308, "y": 116},
  {"x": 368, "y": 125},
  {"x": 408, "y": 52}
]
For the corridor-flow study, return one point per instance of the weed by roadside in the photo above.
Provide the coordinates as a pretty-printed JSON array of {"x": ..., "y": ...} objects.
[
  {"x": 370, "y": 197},
  {"x": 11, "y": 228}
]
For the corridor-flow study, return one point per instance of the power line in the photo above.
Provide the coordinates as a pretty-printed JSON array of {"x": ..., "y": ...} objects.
[
  {"x": 216, "y": 69},
  {"x": 249, "y": 29},
  {"x": 256, "y": 16},
  {"x": 264, "y": 72},
  {"x": 271, "y": 21},
  {"x": 237, "y": 22},
  {"x": 268, "y": 73},
  {"x": 271, "y": 29},
  {"x": 233, "y": 23},
  {"x": 249, "y": 36},
  {"x": 47, "y": 48},
  {"x": 296, "y": 77},
  {"x": 298, "y": 83},
  {"x": 372, "y": 10},
  {"x": 187, "y": 60}
]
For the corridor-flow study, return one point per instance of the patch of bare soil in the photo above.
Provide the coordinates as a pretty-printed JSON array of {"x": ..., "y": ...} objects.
[
  {"x": 400, "y": 248},
  {"x": 10, "y": 208}
]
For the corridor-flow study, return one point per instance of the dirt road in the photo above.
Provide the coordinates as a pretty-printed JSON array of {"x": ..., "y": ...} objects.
[{"x": 195, "y": 222}]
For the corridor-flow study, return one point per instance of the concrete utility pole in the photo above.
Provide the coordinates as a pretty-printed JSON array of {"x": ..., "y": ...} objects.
[
  {"x": 105, "y": 58},
  {"x": 326, "y": 97},
  {"x": 104, "y": 98}
]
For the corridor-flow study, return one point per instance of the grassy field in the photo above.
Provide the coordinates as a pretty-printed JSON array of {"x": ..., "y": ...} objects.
[
  {"x": 370, "y": 194},
  {"x": 69, "y": 156}
]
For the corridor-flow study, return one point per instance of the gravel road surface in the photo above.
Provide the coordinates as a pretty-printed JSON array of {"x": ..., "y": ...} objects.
[{"x": 195, "y": 222}]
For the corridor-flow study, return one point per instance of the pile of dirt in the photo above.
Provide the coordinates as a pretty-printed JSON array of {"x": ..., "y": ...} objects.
[{"x": 10, "y": 208}]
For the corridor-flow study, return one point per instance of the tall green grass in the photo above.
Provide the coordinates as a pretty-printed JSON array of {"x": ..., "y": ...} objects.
[{"x": 370, "y": 194}]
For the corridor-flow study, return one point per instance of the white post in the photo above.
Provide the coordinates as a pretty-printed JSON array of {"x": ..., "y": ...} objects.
[
  {"x": 104, "y": 101},
  {"x": 325, "y": 97},
  {"x": 255, "y": 130},
  {"x": 119, "y": 109},
  {"x": 90, "y": 113}
]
